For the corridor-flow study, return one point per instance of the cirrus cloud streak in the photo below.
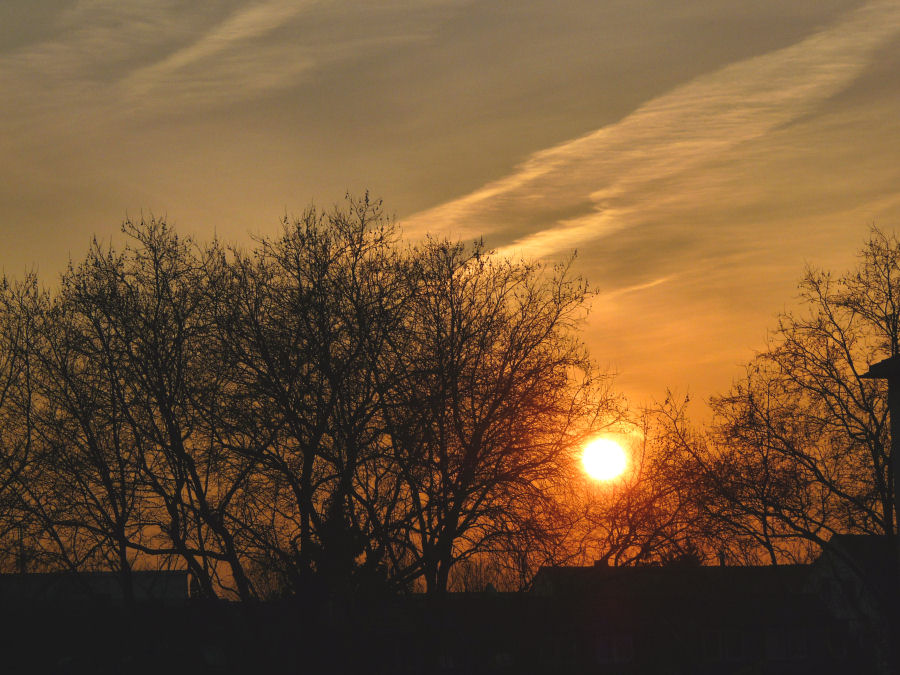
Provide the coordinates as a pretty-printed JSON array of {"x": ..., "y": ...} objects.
[{"x": 591, "y": 186}]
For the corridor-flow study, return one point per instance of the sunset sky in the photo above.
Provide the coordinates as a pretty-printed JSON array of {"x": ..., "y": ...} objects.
[{"x": 697, "y": 153}]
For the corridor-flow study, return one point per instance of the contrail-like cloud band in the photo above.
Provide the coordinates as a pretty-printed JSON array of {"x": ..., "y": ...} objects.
[{"x": 586, "y": 188}]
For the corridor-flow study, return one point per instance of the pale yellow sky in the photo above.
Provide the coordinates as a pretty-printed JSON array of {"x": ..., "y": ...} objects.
[{"x": 697, "y": 154}]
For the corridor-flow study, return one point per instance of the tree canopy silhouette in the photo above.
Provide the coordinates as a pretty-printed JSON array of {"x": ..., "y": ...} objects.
[
  {"x": 799, "y": 449},
  {"x": 330, "y": 408}
]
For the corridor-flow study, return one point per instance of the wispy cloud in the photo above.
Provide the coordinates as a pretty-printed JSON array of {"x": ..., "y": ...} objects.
[
  {"x": 209, "y": 65},
  {"x": 625, "y": 290},
  {"x": 588, "y": 187},
  {"x": 105, "y": 58}
]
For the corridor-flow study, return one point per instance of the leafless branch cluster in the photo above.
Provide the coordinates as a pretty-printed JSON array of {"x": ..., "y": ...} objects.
[
  {"x": 799, "y": 449},
  {"x": 332, "y": 409},
  {"x": 329, "y": 408}
]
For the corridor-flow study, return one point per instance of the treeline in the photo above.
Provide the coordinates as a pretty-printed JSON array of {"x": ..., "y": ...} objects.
[
  {"x": 328, "y": 408},
  {"x": 335, "y": 409},
  {"x": 800, "y": 447}
]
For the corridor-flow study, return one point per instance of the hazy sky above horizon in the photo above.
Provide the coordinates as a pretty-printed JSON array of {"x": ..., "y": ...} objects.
[{"x": 697, "y": 154}]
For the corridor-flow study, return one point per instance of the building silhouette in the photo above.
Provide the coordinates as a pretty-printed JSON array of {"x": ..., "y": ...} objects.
[{"x": 832, "y": 616}]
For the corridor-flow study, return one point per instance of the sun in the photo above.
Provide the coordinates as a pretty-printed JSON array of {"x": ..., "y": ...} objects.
[{"x": 604, "y": 459}]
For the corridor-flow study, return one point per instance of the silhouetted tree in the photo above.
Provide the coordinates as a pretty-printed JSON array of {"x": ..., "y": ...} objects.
[
  {"x": 799, "y": 448},
  {"x": 654, "y": 512},
  {"x": 149, "y": 306},
  {"x": 306, "y": 319},
  {"x": 490, "y": 395},
  {"x": 84, "y": 486},
  {"x": 19, "y": 533},
  {"x": 329, "y": 409}
]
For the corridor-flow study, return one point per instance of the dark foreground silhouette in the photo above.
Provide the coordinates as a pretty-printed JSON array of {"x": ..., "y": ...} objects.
[{"x": 681, "y": 618}]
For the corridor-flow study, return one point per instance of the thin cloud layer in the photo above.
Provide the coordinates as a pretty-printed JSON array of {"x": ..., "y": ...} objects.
[
  {"x": 693, "y": 205},
  {"x": 589, "y": 187},
  {"x": 140, "y": 56},
  {"x": 213, "y": 48}
]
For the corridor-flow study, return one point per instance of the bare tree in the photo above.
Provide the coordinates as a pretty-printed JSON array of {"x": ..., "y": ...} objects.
[
  {"x": 149, "y": 308},
  {"x": 19, "y": 533},
  {"x": 86, "y": 489},
  {"x": 306, "y": 320},
  {"x": 653, "y": 513},
  {"x": 799, "y": 448},
  {"x": 327, "y": 409},
  {"x": 494, "y": 394}
]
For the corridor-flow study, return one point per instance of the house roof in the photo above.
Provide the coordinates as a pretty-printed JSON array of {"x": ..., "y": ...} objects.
[
  {"x": 872, "y": 557},
  {"x": 672, "y": 580},
  {"x": 680, "y": 594},
  {"x": 887, "y": 368},
  {"x": 164, "y": 585}
]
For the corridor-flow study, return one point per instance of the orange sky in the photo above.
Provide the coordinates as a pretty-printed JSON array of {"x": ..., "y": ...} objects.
[{"x": 697, "y": 154}]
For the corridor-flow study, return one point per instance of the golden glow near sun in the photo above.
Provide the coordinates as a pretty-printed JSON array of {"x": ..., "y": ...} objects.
[{"x": 604, "y": 459}]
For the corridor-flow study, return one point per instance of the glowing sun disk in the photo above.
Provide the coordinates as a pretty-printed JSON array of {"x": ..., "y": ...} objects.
[{"x": 604, "y": 459}]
